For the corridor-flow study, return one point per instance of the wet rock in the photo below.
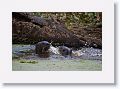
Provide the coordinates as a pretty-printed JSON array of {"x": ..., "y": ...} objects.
[{"x": 42, "y": 49}]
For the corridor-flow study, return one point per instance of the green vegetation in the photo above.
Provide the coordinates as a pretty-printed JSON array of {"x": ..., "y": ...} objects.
[
  {"x": 28, "y": 61},
  {"x": 74, "y": 19}
]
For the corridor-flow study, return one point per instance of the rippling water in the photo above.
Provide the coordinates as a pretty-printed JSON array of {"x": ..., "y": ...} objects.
[{"x": 28, "y": 52}]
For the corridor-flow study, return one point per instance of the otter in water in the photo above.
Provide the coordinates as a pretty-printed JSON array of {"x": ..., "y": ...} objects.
[
  {"x": 42, "y": 48},
  {"x": 65, "y": 51}
]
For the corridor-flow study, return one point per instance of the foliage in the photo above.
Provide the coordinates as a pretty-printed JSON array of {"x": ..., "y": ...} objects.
[{"x": 74, "y": 19}]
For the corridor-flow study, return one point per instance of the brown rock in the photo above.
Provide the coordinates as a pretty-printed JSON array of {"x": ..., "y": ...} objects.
[
  {"x": 30, "y": 29},
  {"x": 91, "y": 36},
  {"x": 28, "y": 32}
]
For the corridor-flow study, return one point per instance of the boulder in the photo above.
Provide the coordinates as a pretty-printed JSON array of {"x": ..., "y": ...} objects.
[
  {"x": 35, "y": 31},
  {"x": 29, "y": 29}
]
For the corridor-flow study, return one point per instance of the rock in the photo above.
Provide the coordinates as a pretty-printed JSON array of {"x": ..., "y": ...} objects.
[
  {"x": 21, "y": 16},
  {"x": 28, "y": 17},
  {"x": 39, "y": 21},
  {"x": 42, "y": 48},
  {"x": 29, "y": 29},
  {"x": 91, "y": 36},
  {"x": 31, "y": 33},
  {"x": 65, "y": 50}
]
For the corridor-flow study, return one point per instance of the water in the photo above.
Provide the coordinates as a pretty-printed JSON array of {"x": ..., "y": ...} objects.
[
  {"x": 28, "y": 52},
  {"x": 84, "y": 59}
]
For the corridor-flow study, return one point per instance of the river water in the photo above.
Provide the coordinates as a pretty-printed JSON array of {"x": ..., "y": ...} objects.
[
  {"x": 84, "y": 59},
  {"x": 28, "y": 52}
]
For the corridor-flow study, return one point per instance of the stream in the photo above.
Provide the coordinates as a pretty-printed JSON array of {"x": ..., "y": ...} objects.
[{"x": 88, "y": 59}]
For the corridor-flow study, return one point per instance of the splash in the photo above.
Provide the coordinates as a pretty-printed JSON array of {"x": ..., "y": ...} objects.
[
  {"x": 28, "y": 51},
  {"x": 54, "y": 50}
]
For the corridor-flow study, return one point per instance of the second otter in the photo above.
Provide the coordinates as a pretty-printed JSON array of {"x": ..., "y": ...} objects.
[{"x": 65, "y": 51}]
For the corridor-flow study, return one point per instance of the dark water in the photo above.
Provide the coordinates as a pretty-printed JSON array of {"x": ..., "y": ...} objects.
[{"x": 28, "y": 52}]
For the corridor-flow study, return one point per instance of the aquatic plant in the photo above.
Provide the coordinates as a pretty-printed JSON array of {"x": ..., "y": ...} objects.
[{"x": 31, "y": 61}]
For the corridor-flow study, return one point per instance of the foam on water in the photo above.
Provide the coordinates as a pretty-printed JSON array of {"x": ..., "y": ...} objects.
[
  {"x": 54, "y": 50},
  {"x": 84, "y": 53}
]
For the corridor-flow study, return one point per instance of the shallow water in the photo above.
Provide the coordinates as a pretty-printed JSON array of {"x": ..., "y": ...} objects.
[
  {"x": 59, "y": 65},
  {"x": 84, "y": 53},
  {"x": 85, "y": 59}
]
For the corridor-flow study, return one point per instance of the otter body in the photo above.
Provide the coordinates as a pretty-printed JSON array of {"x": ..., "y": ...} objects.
[
  {"x": 42, "y": 48},
  {"x": 65, "y": 51}
]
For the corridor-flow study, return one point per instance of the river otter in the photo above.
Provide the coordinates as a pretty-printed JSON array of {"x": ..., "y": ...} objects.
[
  {"x": 42, "y": 48},
  {"x": 65, "y": 51}
]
